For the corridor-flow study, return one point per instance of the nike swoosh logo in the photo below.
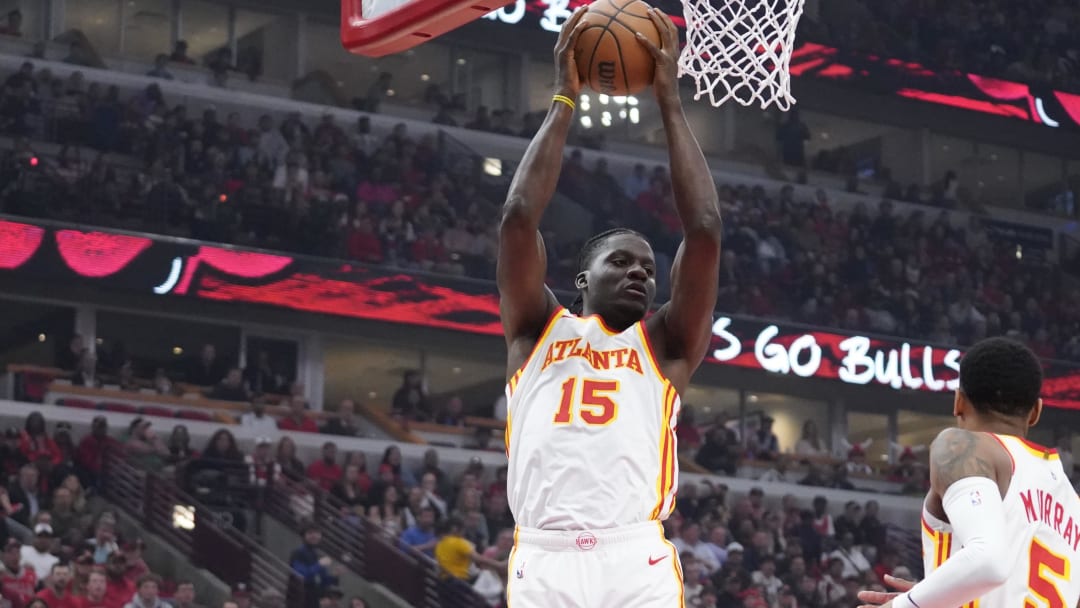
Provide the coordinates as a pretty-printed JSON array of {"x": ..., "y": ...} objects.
[{"x": 653, "y": 562}]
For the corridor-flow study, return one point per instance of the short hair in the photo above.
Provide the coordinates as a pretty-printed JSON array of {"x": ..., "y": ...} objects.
[
  {"x": 1001, "y": 376},
  {"x": 588, "y": 252},
  {"x": 149, "y": 577}
]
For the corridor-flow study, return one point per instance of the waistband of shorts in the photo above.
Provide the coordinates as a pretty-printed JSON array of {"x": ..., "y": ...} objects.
[{"x": 587, "y": 540}]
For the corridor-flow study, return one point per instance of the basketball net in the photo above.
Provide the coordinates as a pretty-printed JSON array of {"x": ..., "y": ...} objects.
[{"x": 741, "y": 49}]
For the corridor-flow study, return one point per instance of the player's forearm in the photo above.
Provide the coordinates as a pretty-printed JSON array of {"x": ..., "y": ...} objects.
[
  {"x": 696, "y": 200},
  {"x": 538, "y": 174}
]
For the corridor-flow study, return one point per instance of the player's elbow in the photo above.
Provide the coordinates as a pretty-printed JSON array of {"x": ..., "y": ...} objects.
[
  {"x": 994, "y": 567},
  {"x": 706, "y": 228},
  {"x": 517, "y": 215}
]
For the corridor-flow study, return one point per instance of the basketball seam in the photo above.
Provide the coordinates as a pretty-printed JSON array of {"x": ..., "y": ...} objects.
[
  {"x": 607, "y": 27},
  {"x": 592, "y": 55}
]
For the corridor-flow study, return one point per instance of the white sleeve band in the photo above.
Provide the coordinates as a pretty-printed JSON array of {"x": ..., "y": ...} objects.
[{"x": 977, "y": 516}]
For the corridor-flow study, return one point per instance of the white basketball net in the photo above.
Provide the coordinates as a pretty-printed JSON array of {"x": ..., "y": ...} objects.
[{"x": 741, "y": 49}]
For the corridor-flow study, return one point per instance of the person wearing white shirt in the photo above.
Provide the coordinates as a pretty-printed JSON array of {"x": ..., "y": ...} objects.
[
  {"x": 855, "y": 563},
  {"x": 256, "y": 422},
  {"x": 765, "y": 577},
  {"x": 780, "y": 471},
  {"x": 690, "y": 541},
  {"x": 37, "y": 555}
]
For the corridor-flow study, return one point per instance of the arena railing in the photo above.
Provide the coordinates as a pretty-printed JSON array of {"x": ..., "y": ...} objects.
[
  {"x": 363, "y": 547},
  {"x": 198, "y": 532}
]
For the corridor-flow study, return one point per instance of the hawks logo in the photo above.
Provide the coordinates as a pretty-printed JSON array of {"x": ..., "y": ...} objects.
[{"x": 586, "y": 541}]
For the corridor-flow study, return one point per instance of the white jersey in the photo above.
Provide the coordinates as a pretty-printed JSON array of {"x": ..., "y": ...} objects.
[
  {"x": 590, "y": 431},
  {"x": 1042, "y": 517}
]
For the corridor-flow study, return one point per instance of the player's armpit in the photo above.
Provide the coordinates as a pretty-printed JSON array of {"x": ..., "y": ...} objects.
[
  {"x": 956, "y": 454},
  {"x": 525, "y": 302}
]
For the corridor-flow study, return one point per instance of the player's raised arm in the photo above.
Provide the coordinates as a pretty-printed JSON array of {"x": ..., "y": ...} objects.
[
  {"x": 964, "y": 476},
  {"x": 525, "y": 301},
  {"x": 695, "y": 274}
]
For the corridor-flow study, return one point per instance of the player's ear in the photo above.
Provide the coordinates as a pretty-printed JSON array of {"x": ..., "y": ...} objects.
[
  {"x": 582, "y": 280},
  {"x": 958, "y": 404},
  {"x": 1036, "y": 413}
]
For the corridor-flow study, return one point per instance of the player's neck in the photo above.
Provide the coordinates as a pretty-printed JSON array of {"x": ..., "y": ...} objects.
[
  {"x": 611, "y": 321},
  {"x": 998, "y": 425}
]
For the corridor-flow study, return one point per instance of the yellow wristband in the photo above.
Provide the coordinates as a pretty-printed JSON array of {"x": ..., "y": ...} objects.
[{"x": 566, "y": 100}]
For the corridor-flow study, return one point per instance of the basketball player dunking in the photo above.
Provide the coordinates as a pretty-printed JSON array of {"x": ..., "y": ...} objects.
[
  {"x": 1001, "y": 524},
  {"x": 593, "y": 397}
]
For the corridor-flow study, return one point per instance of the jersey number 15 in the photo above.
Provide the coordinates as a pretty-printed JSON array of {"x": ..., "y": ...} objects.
[{"x": 595, "y": 406}]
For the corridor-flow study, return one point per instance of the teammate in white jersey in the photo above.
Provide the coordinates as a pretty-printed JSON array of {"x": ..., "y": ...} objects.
[
  {"x": 593, "y": 397},
  {"x": 1001, "y": 524}
]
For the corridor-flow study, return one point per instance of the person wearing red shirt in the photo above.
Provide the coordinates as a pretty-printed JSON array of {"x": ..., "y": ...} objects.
[
  {"x": 428, "y": 250},
  {"x": 96, "y": 447},
  {"x": 57, "y": 591},
  {"x": 326, "y": 471},
  {"x": 96, "y": 586},
  {"x": 298, "y": 418},
  {"x": 362, "y": 242},
  {"x": 119, "y": 589},
  {"x": 17, "y": 582},
  {"x": 35, "y": 443}
]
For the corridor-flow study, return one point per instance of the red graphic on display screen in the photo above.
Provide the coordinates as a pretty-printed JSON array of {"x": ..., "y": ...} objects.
[
  {"x": 966, "y": 103},
  {"x": 18, "y": 242},
  {"x": 98, "y": 254},
  {"x": 246, "y": 264},
  {"x": 398, "y": 299},
  {"x": 1071, "y": 103}
]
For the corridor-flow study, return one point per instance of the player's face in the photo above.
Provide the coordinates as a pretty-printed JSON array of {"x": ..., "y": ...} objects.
[{"x": 620, "y": 283}]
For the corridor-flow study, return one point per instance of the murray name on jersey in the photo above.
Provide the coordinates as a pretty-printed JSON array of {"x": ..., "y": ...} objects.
[{"x": 1040, "y": 506}]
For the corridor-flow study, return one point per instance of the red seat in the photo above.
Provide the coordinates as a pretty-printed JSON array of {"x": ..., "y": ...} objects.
[
  {"x": 35, "y": 385},
  {"x": 124, "y": 408},
  {"x": 194, "y": 415},
  {"x": 82, "y": 404},
  {"x": 154, "y": 410}
]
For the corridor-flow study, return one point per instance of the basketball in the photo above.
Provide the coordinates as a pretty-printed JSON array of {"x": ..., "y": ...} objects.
[{"x": 608, "y": 55}]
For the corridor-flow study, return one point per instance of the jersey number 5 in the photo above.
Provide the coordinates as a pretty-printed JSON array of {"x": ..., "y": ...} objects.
[
  {"x": 1045, "y": 567},
  {"x": 595, "y": 408}
]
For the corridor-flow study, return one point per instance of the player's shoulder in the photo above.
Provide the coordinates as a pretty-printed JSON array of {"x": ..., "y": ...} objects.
[{"x": 958, "y": 453}]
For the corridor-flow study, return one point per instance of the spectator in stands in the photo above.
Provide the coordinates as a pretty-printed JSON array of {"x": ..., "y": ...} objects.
[
  {"x": 208, "y": 369},
  {"x": 25, "y": 496},
  {"x": 831, "y": 588},
  {"x": 317, "y": 571},
  {"x": 11, "y": 457},
  {"x": 68, "y": 359},
  {"x": 410, "y": 401},
  {"x": 136, "y": 566},
  {"x": 180, "y": 450},
  {"x": 231, "y": 387},
  {"x": 13, "y": 27},
  {"x": 344, "y": 422},
  {"x": 119, "y": 589},
  {"x": 298, "y": 418},
  {"x": 291, "y": 466},
  {"x": 179, "y": 54},
  {"x": 689, "y": 541},
  {"x": 854, "y": 562},
  {"x": 184, "y": 596},
  {"x": 359, "y": 460},
  {"x": 331, "y": 598},
  {"x": 421, "y": 536},
  {"x": 143, "y": 448},
  {"x": 351, "y": 492},
  {"x": 256, "y": 421},
  {"x": 262, "y": 468},
  {"x": 452, "y": 413},
  {"x": 17, "y": 582},
  {"x": 387, "y": 510},
  {"x": 96, "y": 588},
  {"x": 86, "y": 370},
  {"x": 768, "y": 445},
  {"x": 810, "y": 444},
  {"x": 104, "y": 540},
  {"x": 719, "y": 453},
  {"x": 95, "y": 448},
  {"x": 161, "y": 69},
  {"x": 454, "y": 554},
  {"x": 35, "y": 443},
  {"x": 221, "y": 453},
  {"x": 780, "y": 471},
  {"x": 391, "y": 461},
  {"x": 147, "y": 594},
  {"x": 57, "y": 591},
  {"x": 38, "y": 555},
  {"x": 64, "y": 518},
  {"x": 871, "y": 530},
  {"x": 260, "y": 378},
  {"x": 326, "y": 471},
  {"x": 791, "y": 137}
]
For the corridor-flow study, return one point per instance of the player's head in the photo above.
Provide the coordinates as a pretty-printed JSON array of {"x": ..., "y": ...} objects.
[
  {"x": 616, "y": 277},
  {"x": 999, "y": 378}
]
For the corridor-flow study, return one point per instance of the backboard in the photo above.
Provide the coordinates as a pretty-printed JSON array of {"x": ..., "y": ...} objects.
[{"x": 380, "y": 27}]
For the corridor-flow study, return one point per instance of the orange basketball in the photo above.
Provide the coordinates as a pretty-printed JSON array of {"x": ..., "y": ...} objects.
[{"x": 608, "y": 55}]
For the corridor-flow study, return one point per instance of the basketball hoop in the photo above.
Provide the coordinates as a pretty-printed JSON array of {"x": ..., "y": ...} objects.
[{"x": 741, "y": 49}]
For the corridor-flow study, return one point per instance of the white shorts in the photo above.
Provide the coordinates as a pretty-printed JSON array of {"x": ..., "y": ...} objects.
[{"x": 629, "y": 567}]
